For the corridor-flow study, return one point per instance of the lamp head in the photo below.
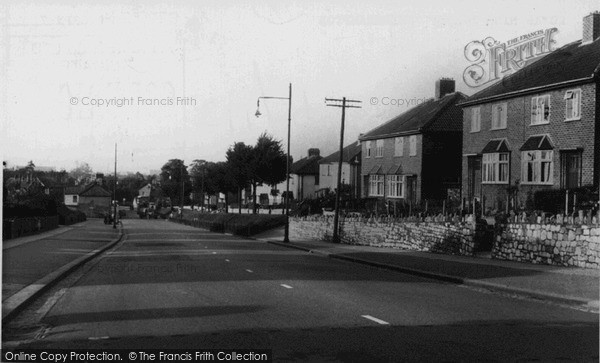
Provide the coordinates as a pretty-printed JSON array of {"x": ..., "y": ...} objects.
[{"x": 257, "y": 114}]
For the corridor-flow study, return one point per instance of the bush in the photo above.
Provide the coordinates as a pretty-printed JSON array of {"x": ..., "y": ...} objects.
[
  {"x": 67, "y": 216},
  {"x": 238, "y": 224},
  {"x": 553, "y": 200}
]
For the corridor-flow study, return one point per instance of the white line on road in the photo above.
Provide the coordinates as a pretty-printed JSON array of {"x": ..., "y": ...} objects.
[
  {"x": 250, "y": 271},
  {"x": 286, "y": 286},
  {"x": 214, "y": 253},
  {"x": 226, "y": 260},
  {"x": 378, "y": 321}
]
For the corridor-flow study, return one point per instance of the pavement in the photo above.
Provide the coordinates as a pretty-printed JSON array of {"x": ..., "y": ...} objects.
[
  {"x": 32, "y": 264},
  {"x": 564, "y": 285}
]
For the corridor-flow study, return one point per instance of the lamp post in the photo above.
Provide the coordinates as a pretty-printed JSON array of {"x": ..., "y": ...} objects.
[{"x": 286, "y": 236}]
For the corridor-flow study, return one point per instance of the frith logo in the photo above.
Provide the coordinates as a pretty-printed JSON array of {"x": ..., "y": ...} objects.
[{"x": 492, "y": 60}]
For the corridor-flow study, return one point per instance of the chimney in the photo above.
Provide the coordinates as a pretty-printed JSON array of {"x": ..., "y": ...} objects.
[
  {"x": 313, "y": 152},
  {"x": 100, "y": 178},
  {"x": 359, "y": 137},
  {"x": 591, "y": 27},
  {"x": 443, "y": 86}
]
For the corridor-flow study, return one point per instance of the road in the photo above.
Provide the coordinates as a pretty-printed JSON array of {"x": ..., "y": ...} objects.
[{"x": 172, "y": 286}]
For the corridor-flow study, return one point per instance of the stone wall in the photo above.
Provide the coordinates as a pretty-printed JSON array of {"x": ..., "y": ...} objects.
[
  {"x": 432, "y": 234},
  {"x": 552, "y": 244}
]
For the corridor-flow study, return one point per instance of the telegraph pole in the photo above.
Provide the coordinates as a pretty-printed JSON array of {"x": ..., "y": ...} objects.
[
  {"x": 335, "y": 103},
  {"x": 115, "y": 192}
]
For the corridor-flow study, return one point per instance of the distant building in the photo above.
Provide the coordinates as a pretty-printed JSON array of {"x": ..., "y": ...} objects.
[
  {"x": 535, "y": 129},
  {"x": 306, "y": 175},
  {"x": 351, "y": 162},
  {"x": 92, "y": 199},
  {"x": 415, "y": 156}
]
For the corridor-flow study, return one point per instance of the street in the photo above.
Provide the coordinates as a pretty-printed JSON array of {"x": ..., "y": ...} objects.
[{"x": 167, "y": 285}]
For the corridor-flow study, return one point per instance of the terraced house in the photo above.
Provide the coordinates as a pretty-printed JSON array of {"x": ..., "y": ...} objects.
[
  {"x": 415, "y": 156},
  {"x": 535, "y": 129}
]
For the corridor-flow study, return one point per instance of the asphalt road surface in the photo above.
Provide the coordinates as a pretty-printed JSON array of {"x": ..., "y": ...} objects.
[{"x": 172, "y": 286}]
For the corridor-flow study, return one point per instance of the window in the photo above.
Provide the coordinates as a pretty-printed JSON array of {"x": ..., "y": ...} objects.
[
  {"x": 328, "y": 170},
  {"x": 399, "y": 146},
  {"x": 395, "y": 186},
  {"x": 537, "y": 167},
  {"x": 499, "y": 116},
  {"x": 368, "y": 146},
  {"x": 413, "y": 145},
  {"x": 74, "y": 199},
  {"x": 573, "y": 105},
  {"x": 495, "y": 168},
  {"x": 379, "y": 149},
  {"x": 376, "y": 185},
  {"x": 540, "y": 110},
  {"x": 475, "y": 119}
]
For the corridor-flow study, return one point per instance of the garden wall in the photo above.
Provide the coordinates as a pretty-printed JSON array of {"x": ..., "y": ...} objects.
[{"x": 441, "y": 235}]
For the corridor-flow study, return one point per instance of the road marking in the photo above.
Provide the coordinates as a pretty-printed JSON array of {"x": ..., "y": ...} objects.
[
  {"x": 99, "y": 338},
  {"x": 249, "y": 271},
  {"x": 226, "y": 260},
  {"x": 214, "y": 253},
  {"x": 379, "y": 321},
  {"x": 286, "y": 286}
]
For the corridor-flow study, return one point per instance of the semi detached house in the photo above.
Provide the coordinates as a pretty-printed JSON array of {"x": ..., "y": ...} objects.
[
  {"x": 535, "y": 129},
  {"x": 415, "y": 156}
]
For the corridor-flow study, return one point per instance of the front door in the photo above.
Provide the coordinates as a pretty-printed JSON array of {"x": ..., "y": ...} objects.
[
  {"x": 571, "y": 169},
  {"x": 474, "y": 181},
  {"x": 411, "y": 189}
]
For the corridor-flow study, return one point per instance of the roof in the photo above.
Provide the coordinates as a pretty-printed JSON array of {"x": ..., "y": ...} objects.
[
  {"x": 432, "y": 115},
  {"x": 496, "y": 146},
  {"x": 73, "y": 190},
  {"x": 539, "y": 142},
  {"x": 95, "y": 190},
  {"x": 573, "y": 62},
  {"x": 306, "y": 166},
  {"x": 349, "y": 152}
]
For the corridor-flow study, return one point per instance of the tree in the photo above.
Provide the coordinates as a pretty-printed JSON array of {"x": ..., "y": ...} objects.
[
  {"x": 239, "y": 162},
  {"x": 82, "y": 173},
  {"x": 173, "y": 176},
  {"x": 270, "y": 161}
]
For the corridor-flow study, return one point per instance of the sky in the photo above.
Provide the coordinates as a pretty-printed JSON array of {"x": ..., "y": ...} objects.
[{"x": 180, "y": 79}]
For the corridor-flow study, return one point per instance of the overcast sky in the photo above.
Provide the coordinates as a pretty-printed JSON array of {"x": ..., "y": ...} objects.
[{"x": 59, "y": 58}]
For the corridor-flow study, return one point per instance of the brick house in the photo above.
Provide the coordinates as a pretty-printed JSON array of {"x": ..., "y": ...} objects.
[
  {"x": 535, "y": 129},
  {"x": 415, "y": 156},
  {"x": 351, "y": 161}
]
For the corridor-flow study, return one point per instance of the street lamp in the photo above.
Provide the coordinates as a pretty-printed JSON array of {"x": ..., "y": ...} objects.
[{"x": 286, "y": 237}]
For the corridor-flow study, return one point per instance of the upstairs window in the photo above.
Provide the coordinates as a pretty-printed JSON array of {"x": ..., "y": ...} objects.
[
  {"x": 399, "y": 146},
  {"x": 476, "y": 119},
  {"x": 368, "y": 147},
  {"x": 540, "y": 110},
  {"x": 499, "y": 116},
  {"x": 413, "y": 145},
  {"x": 573, "y": 105},
  {"x": 379, "y": 149}
]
